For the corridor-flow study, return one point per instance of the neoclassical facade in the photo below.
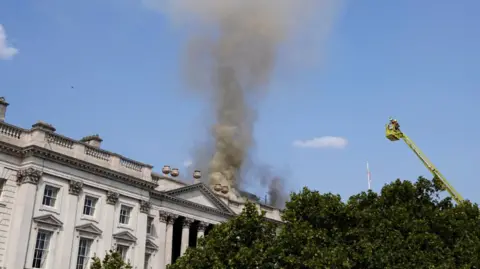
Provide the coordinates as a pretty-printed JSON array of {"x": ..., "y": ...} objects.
[{"x": 62, "y": 201}]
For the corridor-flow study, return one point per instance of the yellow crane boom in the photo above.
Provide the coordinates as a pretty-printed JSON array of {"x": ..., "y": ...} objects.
[{"x": 393, "y": 133}]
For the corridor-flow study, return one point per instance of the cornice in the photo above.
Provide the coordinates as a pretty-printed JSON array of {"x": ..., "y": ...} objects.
[
  {"x": 40, "y": 152},
  {"x": 11, "y": 149},
  {"x": 162, "y": 196}
]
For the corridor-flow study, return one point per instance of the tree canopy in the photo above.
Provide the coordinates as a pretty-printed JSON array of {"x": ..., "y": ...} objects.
[
  {"x": 112, "y": 260},
  {"x": 406, "y": 225}
]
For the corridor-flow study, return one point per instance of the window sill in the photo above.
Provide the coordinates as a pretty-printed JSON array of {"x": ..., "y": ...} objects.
[
  {"x": 49, "y": 209},
  {"x": 124, "y": 226},
  {"x": 88, "y": 218}
]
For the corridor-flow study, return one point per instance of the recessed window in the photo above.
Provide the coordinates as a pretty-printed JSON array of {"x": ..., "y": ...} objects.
[
  {"x": 3, "y": 182},
  {"x": 41, "y": 249},
  {"x": 122, "y": 250},
  {"x": 83, "y": 256},
  {"x": 150, "y": 226},
  {"x": 50, "y": 196},
  {"x": 125, "y": 212},
  {"x": 89, "y": 205}
]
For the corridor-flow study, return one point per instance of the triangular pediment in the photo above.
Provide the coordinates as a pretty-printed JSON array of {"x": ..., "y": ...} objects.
[
  {"x": 150, "y": 245},
  {"x": 89, "y": 228},
  {"x": 125, "y": 236},
  {"x": 200, "y": 194},
  {"x": 48, "y": 220}
]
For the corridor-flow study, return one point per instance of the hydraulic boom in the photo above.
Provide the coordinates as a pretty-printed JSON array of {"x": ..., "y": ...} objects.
[{"x": 393, "y": 133}]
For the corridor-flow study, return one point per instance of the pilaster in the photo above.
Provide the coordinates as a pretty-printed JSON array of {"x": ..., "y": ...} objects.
[
  {"x": 67, "y": 236},
  {"x": 141, "y": 232},
  {"x": 27, "y": 180},
  {"x": 160, "y": 225},
  {"x": 111, "y": 202}
]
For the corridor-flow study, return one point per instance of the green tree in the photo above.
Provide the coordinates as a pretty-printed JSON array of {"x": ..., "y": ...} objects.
[
  {"x": 406, "y": 225},
  {"x": 247, "y": 241},
  {"x": 112, "y": 260}
]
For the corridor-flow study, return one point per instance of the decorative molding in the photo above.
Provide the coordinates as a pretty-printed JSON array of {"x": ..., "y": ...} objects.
[
  {"x": 112, "y": 197},
  {"x": 75, "y": 187},
  {"x": 163, "y": 216},
  {"x": 202, "y": 226},
  {"x": 89, "y": 228},
  {"x": 187, "y": 222},
  {"x": 171, "y": 218},
  {"x": 205, "y": 191},
  {"x": 145, "y": 206},
  {"x": 49, "y": 220},
  {"x": 78, "y": 164},
  {"x": 125, "y": 236},
  {"x": 29, "y": 175},
  {"x": 150, "y": 245}
]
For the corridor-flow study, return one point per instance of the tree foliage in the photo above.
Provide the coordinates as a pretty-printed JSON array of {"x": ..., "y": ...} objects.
[
  {"x": 112, "y": 260},
  {"x": 406, "y": 225}
]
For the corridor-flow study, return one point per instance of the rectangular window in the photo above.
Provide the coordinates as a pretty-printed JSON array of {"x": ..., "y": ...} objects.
[
  {"x": 125, "y": 214},
  {"x": 89, "y": 205},
  {"x": 41, "y": 249},
  {"x": 122, "y": 250},
  {"x": 50, "y": 196},
  {"x": 147, "y": 261},
  {"x": 3, "y": 182},
  {"x": 149, "y": 226},
  {"x": 83, "y": 256}
]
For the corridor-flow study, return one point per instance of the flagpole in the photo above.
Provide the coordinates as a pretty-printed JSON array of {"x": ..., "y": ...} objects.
[{"x": 369, "y": 180}]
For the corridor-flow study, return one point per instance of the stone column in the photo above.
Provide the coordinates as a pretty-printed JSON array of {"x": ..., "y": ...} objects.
[
  {"x": 139, "y": 250},
  {"x": 110, "y": 217},
  {"x": 67, "y": 235},
  {"x": 202, "y": 226},
  {"x": 26, "y": 197},
  {"x": 169, "y": 238},
  {"x": 185, "y": 235},
  {"x": 160, "y": 224}
]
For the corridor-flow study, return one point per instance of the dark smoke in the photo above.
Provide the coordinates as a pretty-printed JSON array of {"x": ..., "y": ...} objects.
[{"x": 232, "y": 50}]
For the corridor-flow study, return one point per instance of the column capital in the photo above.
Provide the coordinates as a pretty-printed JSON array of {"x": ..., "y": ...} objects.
[
  {"x": 167, "y": 217},
  {"x": 75, "y": 187},
  {"x": 187, "y": 222},
  {"x": 202, "y": 226},
  {"x": 112, "y": 197},
  {"x": 145, "y": 206},
  {"x": 29, "y": 175}
]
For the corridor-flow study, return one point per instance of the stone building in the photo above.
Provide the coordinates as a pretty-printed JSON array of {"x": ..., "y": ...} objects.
[{"x": 64, "y": 200}]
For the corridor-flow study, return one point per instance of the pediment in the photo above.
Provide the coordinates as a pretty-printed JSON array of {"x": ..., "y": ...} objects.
[
  {"x": 48, "y": 220},
  {"x": 200, "y": 194},
  {"x": 89, "y": 228},
  {"x": 125, "y": 236},
  {"x": 150, "y": 245}
]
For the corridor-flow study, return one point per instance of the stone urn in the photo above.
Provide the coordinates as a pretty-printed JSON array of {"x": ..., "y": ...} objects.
[
  {"x": 166, "y": 169},
  {"x": 224, "y": 189},
  {"x": 174, "y": 172},
  {"x": 217, "y": 187},
  {"x": 197, "y": 174}
]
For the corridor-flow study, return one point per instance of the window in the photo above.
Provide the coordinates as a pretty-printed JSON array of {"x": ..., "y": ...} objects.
[
  {"x": 122, "y": 250},
  {"x": 147, "y": 261},
  {"x": 50, "y": 196},
  {"x": 83, "y": 253},
  {"x": 89, "y": 205},
  {"x": 2, "y": 185},
  {"x": 125, "y": 214},
  {"x": 149, "y": 225},
  {"x": 41, "y": 249}
]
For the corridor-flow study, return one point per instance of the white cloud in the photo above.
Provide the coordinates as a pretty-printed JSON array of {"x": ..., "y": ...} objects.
[
  {"x": 322, "y": 142},
  {"x": 187, "y": 163},
  {"x": 6, "y": 52}
]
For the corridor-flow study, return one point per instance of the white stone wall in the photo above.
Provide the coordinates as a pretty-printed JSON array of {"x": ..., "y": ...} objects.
[{"x": 7, "y": 198}]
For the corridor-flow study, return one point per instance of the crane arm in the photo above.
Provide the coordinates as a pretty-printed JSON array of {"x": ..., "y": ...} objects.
[
  {"x": 450, "y": 189},
  {"x": 393, "y": 133}
]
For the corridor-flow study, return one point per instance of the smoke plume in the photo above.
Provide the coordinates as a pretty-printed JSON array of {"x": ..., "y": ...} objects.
[{"x": 233, "y": 47}]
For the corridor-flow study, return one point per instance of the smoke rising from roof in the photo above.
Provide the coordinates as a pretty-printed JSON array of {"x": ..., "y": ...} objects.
[{"x": 233, "y": 48}]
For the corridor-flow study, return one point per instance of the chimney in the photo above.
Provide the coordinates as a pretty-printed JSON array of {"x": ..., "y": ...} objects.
[
  {"x": 92, "y": 140},
  {"x": 3, "y": 108}
]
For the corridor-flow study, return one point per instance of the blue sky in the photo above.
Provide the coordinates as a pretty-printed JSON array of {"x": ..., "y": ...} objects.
[{"x": 415, "y": 60}]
